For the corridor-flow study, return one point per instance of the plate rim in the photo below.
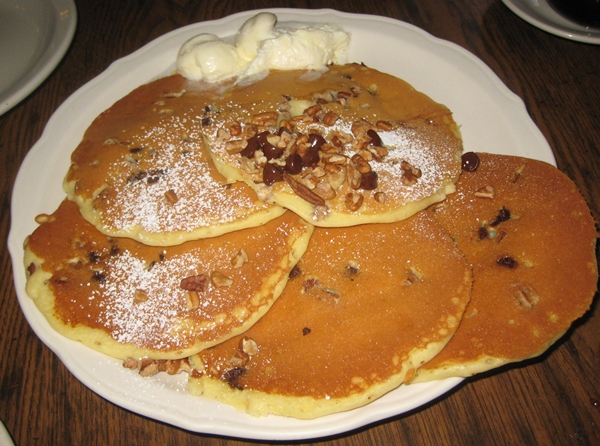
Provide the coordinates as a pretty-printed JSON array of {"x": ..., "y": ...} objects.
[
  {"x": 318, "y": 427},
  {"x": 576, "y": 32},
  {"x": 48, "y": 60}
]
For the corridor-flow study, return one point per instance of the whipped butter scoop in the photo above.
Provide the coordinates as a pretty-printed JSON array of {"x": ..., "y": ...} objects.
[{"x": 260, "y": 46}]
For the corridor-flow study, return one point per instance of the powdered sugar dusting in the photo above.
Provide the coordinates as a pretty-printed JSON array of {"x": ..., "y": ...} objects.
[
  {"x": 153, "y": 321},
  {"x": 181, "y": 166}
]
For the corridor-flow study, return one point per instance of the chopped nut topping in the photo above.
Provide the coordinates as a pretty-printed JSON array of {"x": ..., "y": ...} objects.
[
  {"x": 412, "y": 275},
  {"x": 192, "y": 300},
  {"x": 171, "y": 196},
  {"x": 220, "y": 280},
  {"x": 383, "y": 125},
  {"x": 517, "y": 173},
  {"x": 380, "y": 197},
  {"x": 239, "y": 359},
  {"x": 264, "y": 119},
  {"x": 235, "y": 129},
  {"x": 303, "y": 191},
  {"x": 236, "y": 146},
  {"x": 525, "y": 295},
  {"x": 130, "y": 363},
  {"x": 411, "y": 173},
  {"x": 175, "y": 95},
  {"x": 140, "y": 296},
  {"x": 44, "y": 218},
  {"x": 485, "y": 192},
  {"x": 240, "y": 258},
  {"x": 224, "y": 135},
  {"x": 248, "y": 346},
  {"x": 148, "y": 367},
  {"x": 325, "y": 190},
  {"x": 354, "y": 201},
  {"x": 353, "y": 176},
  {"x": 330, "y": 118},
  {"x": 194, "y": 283}
]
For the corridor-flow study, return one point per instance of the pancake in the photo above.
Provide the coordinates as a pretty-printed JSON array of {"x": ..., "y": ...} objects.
[
  {"x": 348, "y": 146},
  {"x": 364, "y": 307},
  {"x": 127, "y": 299},
  {"x": 530, "y": 238},
  {"x": 141, "y": 170}
]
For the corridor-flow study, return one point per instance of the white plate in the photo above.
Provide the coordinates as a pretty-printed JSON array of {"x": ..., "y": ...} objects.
[
  {"x": 34, "y": 37},
  {"x": 492, "y": 119},
  {"x": 540, "y": 14},
  {"x": 5, "y": 438}
]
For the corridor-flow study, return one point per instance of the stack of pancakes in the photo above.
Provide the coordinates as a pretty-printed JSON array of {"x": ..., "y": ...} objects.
[{"x": 306, "y": 243}]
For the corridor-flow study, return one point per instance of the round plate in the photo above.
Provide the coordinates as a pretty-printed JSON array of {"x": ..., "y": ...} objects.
[
  {"x": 540, "y": 14},
  {"x": 492, "y": 119},
  {"x": 34, "y": 37}
]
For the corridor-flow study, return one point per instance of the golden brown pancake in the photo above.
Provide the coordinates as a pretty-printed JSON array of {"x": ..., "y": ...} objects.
[
  {"x": 529, "y": 235},
  {"x": 348, "y": 146},
  {"x": 126, "y": 299},
  {"x": 141, "y": 170},
  {"x": 365, "y": 306}
]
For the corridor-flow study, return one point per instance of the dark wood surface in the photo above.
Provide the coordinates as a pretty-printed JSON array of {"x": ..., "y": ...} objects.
[{"x": 554, "y": 399}]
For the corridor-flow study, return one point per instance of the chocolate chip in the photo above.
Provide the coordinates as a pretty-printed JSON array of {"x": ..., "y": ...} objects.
[
  {"x": 507, "y": 262},
  {"x": 503, "y": 215},
  {"x": 293, "y": 164},
  {"x": 375, "y": 139},
  {"x": 250, "y": 148},
  {"x": 272, "y": 174},
  {"x": 368, "y": 181},
  {"x": 470, "y": 161}
]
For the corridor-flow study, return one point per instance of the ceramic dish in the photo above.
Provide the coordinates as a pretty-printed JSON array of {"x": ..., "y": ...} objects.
[
  {"x": 540, "y": 14},
  {"x": 492, "y": 119},
  {"x": 34, "y": 37}
]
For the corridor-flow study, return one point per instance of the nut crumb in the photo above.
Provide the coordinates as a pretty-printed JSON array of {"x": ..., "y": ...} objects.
[
  {"x": 239, "y": 259},
  {"x": 220, "y": 280}
]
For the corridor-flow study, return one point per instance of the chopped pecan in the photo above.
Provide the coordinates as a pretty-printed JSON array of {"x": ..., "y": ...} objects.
[
  {"x": 411, "y": 173},
  {"x": 303, "y": 192},
  {"x": 220, "y": 280},
  {"x": 330, "y": 118},
  {"x": 130, "y": 363},
  {"x": 140, "y": 296},
  {"x": 264, "y": 119},
  {"x": 485, "y": 192},
  {"x": 248, "y": 346},
  {"x": 194, "y": 283},
  {"x": 171, "y": 196},
  {"x": 192, "y": 300},
  {"x": 240, "y": 258},
  {"x": 148, "y": 367},
  {"x": 353, "y": 201},
  {"x": 525, "y": 295}
]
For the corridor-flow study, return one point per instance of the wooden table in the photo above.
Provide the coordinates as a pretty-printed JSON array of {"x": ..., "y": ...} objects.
[{"x": 551, "y": 400}]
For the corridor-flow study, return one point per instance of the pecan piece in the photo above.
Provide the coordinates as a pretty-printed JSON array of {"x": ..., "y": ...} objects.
[
  {"x": 525, "y": 295},
  {"x": 353, "y": 201},
  {"x": 140, "y": 296},
  {"x": 192, "y": 300},
  {"x": 264, "y": 119},
  {"x": 485, "y": 192},
  {"x": 411, "y": 173},
  {"x": 240, "y": 258},
  {"x": 248, "y": 346},
  {"x": 303, "y": 192},
  {"x": 220, "y": 280},
  {"x": 194, "y": 283}
]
